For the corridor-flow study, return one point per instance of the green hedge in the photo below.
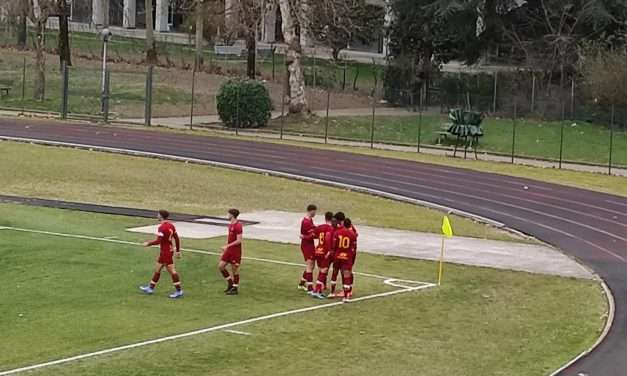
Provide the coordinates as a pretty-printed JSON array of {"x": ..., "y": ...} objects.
[{"x": 244, "y": 103}]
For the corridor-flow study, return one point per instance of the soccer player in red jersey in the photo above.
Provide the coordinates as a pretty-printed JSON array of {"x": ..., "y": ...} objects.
[
  {"x": 308, "y": 247},
  {"x": 339, "y": 218},
  {"x": 324, "y": 234},
  {"x": 165, "y": 235},
  {"x": 232, "y": 254},
  {"x": 344, "y": 240}
]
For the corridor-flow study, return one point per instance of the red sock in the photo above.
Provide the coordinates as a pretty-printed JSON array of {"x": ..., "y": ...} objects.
[
  {"x": 346, "y": 282},
  {"x": 176, "y": 281},
  {"x": 303, "y": 279},
  {"x": 227, "y": 276},
  {"x": 321, "y": 283},
  {"x": 309, "y": 279},
  {"x": 334, "y": 279},
  {"x": 155, "y": 280},
  {"x": 236, "y": 280}
]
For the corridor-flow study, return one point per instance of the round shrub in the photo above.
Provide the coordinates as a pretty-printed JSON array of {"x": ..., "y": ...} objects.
[{"x": 244, "y": 104}]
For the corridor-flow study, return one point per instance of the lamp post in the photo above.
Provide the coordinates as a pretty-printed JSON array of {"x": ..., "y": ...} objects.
[{"x": 106, "y": 35}]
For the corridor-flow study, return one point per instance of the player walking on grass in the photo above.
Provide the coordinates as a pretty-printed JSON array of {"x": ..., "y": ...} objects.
[
  {"x": 308, "y": 247},
  {"x": 345, "y": 239},
  {"x": 324, "y": 248},
  {"x": 232, "y": 254},
  {"x": 165, "y": 235}
]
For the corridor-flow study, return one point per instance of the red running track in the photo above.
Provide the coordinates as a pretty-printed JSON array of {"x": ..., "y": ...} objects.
[{"x": 590, "y": 226}]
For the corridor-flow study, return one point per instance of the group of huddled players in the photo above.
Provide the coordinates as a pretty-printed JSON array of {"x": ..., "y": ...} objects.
[
  {"x": 329, "y": 245},
  {"x": 332, "y": 244}
]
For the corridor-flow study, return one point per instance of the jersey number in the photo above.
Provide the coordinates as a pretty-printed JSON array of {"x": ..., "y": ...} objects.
[{"x": 344, "y": 242}]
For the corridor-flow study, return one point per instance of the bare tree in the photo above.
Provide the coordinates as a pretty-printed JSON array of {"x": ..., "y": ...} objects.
[
  {"x": 292, "y": 17},
  {"x": 38, "y": 12}
]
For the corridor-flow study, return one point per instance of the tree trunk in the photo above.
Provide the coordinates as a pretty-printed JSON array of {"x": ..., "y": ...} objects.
[
  {"x": 64, "y": 39},
  {"x": 200, "y": 27},
  {"x": 251, "y": 49},
  {"x": 40, "y": 61},
  {"x": 21, "y": 32},
  {"x": 151, "y": 48},
  {"x": 294, "y": 56}
]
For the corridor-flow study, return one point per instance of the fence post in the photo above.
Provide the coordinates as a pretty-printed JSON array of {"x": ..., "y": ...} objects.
[
  {"x": 64, "y": 89},
  {"x": 326, "y": 124},
  {"x": 273, "y": 49},
  {"x": 420, "y": 103},
  {"x": 148, "y": 99},
  {"x": 562, "y": 134},
  {"x": 191, "y": 111},
  {"x": 494, "y": 92},
  {"x": 24, "y": 87},
  {"x": 344, "y": 77},
  {"x": 237, "y": 113},
  {"x": 533, "y": 92},
  {"x": 514, "y": 131},
  {"x": 283, "y": 107},
  {"x": 105, "y": 96},
  {"x": 609, "y": 168},
  {"x": 374, "y": 109},
  {"x": 572, "y": 98}
]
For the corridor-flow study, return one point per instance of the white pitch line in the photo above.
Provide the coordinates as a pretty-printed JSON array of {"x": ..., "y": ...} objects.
[
  {"x": 94, "y": 238},
  {"x": 210, "y": 329},
  {"x": 238, "y": 332}
]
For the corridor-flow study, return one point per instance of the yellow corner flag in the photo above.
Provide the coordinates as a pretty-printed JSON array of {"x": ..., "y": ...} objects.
[{"x": 447, "y": 232}]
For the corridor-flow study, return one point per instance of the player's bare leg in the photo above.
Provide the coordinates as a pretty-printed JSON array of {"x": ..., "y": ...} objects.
[
  {"x": 227, "y": 276},
  {"x": 321, "y": 283},
  {"x": 234, "y": 288},
  {"x": 309, "y": 269},
  {"x": 176, "y": 281},
  {"x": 150, "y": 288},
  {"x": 347, "y": 277},
  {"x": 334, "y": 274}
]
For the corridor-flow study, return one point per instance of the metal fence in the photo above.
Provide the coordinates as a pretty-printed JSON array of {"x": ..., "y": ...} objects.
[{"x": 349, "y": 102}]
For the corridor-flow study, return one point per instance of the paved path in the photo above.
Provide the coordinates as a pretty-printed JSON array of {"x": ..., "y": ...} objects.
[
  {"x": 283, "y": 227},
  {"x": 590, "y": 226}
]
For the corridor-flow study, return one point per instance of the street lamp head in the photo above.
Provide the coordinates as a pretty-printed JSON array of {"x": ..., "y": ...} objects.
[{"x": 106, "y": 34}]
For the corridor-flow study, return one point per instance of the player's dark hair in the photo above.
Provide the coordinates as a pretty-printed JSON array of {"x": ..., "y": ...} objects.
[
  {"x": 339, "y": 216},
  {"x": 234, "y": 213},
  {"x": 311, "y": 207},
  {"x": 328, "y": 216},
  {"x": 348, "y": 223},
  {"x": 164, "y": 214}
]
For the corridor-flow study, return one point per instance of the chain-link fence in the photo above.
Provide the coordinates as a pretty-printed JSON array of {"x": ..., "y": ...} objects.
[{"x": 526, "y": 114}]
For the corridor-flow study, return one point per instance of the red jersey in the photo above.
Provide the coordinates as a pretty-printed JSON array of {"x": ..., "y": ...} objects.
[
  {"x": 354, "y": 230},
  {"x": 165, "y": 234},
  {"x": 307, "y": 229},
  {"x": 234, "y": 230},
  {"x": 324, "y": 234},
  {"x": 345, "y": 242}
]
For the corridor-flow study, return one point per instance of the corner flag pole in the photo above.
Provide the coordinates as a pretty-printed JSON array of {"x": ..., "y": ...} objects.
[
  {"x": 441, "y": 262},
  {"x": 447, "y": 232}
]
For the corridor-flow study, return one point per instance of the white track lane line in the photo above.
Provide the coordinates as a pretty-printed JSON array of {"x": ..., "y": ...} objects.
[
  {"x": 108, "y": 240},
  {"x": 238, "y": 332}
]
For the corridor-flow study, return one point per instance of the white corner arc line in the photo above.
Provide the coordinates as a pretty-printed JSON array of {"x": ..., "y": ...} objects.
[{"x": 207, "y": 330}]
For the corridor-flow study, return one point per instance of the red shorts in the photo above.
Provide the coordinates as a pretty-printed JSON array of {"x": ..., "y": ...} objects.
[
  {"x": 322, "y": 261},
  {"x": 308, "y": 252},
  {"x": 232, "y": 256},
  {"x": 165, "y": 258},
  {"x": 344, "y": 262}
]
